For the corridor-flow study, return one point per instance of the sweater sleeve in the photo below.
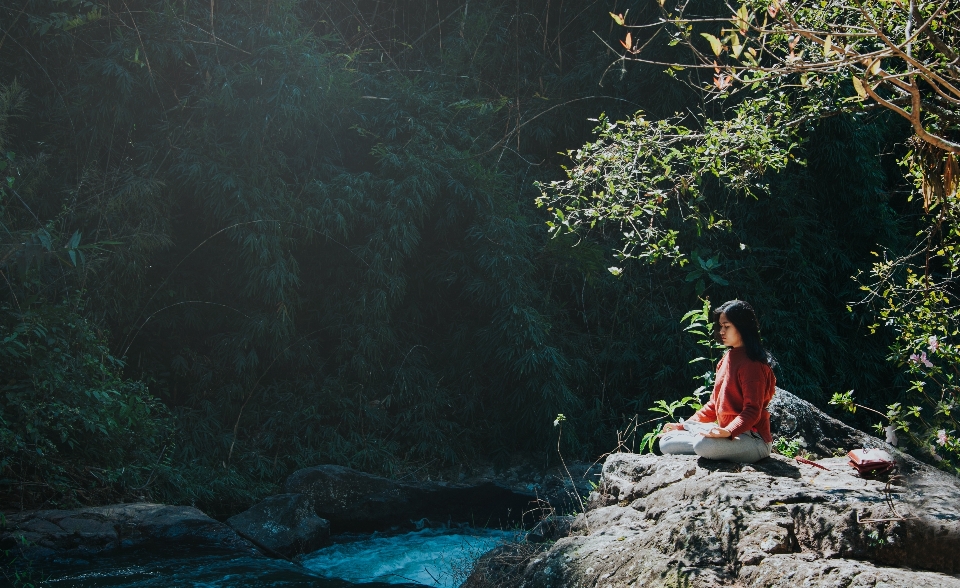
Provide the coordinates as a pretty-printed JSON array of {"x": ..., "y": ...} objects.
[
  {"x": 707, "y": 413},
  {"x": 751, "y": 379}
]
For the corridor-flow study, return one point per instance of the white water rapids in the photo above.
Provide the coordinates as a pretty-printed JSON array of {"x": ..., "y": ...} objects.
[
  {"x": 431, "y": 557},
  {"x": 439, "y": 558}
]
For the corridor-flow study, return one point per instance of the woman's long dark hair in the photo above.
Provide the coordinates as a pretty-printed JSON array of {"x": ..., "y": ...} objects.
[{"x": 743, "y": 317}]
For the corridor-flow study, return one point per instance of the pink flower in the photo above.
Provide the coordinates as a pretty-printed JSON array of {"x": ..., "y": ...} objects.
[
  {"x": 933, "y": 344},
  {"x": 922, "y": 358},
  {"x": 941, "y": 437}
]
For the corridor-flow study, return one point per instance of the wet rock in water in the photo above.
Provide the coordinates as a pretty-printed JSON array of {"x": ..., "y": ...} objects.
[
  {"x": 88, "y": 531},
  {"x": 356, "y": 501},
  {"x": 689, "y": 521},
  {"x": 285, "y": 523}
]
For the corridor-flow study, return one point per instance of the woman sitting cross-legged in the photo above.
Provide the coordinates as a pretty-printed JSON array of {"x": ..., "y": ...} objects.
[{"x": 734, "y": 425}]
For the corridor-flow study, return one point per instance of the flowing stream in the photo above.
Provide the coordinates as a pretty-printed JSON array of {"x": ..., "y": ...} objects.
[
  {"x": 430, "y": 557},
  {"x": 440, "y": 558}
]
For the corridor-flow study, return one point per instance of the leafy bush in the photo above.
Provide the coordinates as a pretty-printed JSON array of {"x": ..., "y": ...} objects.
[
  {"x": 73, "y": 430},
  {"x": 787, "y": 447}
]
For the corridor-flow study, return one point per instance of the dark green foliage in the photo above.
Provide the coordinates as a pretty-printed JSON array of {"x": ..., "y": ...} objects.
[
  {"x": 312, "y": 235},
  {"x": 72, "y": 429}
]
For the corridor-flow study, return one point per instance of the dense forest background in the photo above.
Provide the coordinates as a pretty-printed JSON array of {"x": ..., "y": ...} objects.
[{"x": 242, "y": 237}]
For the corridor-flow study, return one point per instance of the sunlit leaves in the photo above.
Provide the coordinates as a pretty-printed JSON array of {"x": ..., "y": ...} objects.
[
  {"x": 638, "y": 170},
  {"x": 715, "y": 44},
  {"x": 773, "y": 9},
  {"x": 858, "y": 87},
  {"x": 823, "y": 43},
  {"x": 828, "y": 46}
]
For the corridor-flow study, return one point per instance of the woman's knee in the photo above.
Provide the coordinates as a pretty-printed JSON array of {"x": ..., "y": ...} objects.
[
  {"x": 712, "y": 448},
  {"x": 741, "y": 450},
  {"x": 677, "y": 443}
]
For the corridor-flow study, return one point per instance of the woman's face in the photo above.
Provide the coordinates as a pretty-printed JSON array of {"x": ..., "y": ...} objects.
[{"x": 729, "y": 335}]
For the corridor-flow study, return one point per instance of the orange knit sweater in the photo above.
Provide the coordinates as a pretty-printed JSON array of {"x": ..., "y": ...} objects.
[{"x": 740, "y": 396}]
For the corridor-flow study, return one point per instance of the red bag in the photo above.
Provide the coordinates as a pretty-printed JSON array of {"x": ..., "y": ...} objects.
[{"x": 867, "y": 461}]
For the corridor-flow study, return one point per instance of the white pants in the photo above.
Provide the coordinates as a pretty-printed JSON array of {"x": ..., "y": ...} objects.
[{"x": 749, "y": 447}]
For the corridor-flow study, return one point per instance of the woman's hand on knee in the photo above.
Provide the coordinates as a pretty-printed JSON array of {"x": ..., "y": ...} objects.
[
  {"x": 671, "y": 427},
  {"x": 717, "y": 433}
]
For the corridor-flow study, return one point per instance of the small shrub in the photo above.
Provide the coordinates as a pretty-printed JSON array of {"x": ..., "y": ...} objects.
[{"x": 787, "y": 447}]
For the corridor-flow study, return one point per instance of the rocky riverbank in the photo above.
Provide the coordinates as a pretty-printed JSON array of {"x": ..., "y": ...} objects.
[
  {"x": 330, "y": 498},
  {"x": 318, "y": 501},
  {"x": 687, "y": 521},
  {"x": 90, "y": 531}
]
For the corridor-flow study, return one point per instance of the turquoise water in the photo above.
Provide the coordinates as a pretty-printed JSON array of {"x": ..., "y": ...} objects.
[{"x": 432, "y": 557}]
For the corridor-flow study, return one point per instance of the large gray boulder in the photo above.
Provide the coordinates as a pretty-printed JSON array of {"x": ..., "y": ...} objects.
[
  {"x": 88, "y": 531},
  {"x": 356, "y": 501},
  {"x": 819, "y": 434},
  {"x": 688, "y": 521},
  {"x": 285, "y": 524}
]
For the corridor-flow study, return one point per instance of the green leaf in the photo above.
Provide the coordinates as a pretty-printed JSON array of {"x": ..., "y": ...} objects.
[
  {"x": 717, "y": 279},
  {"x": 715, "y": 43},
  {"x": 45, "y": 239},
  {"x": 735, "y": 45},
  {"x": 858, "y": 86}
]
